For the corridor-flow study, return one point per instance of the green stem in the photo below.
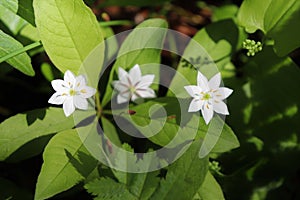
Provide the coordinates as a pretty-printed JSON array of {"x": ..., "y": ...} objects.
[
  {"x": 109, "y": 112},
  {"x": 98, "y": 104},
  {"x": 19, "y": 51},
  {"x": 116, "y": 23}
]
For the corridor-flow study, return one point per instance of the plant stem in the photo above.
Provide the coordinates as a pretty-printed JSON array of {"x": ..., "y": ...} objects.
[
  {"x": 19, "y": 51},
  {"x": 98, "y": 104}
]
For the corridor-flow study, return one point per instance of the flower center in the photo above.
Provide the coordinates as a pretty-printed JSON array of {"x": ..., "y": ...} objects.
[
  {"x": 206, "y": 96},
  {"x": 72, "y": 92},
  {"x": 132, "y": 89}
]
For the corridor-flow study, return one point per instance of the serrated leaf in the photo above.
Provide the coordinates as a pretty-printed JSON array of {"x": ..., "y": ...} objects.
[
  {"x": 66, "y": 163},
  {"x": 69, "y": 32},
  {"x": 21, "y": 62},
  {"x": 277, "y": 19},
  {"x": 210, "y": 189},
  {"x": 142, "y": 46},
  {"x": 106, "y": 188},
  {"x": 22, "y": 128},
  {"x": 184, "y": 177}
]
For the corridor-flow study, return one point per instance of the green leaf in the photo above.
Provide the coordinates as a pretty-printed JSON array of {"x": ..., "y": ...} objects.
[
  {"x": 149, "y": 119},
  {"x": 184, "y": 177},
  {"x": 25, "y": 10},
  {"x": 22, "y": 128},
  {"x": 277, "y": 19},
  {"x": 210, "y": 189},
  {"x": 66, "y": 163},
  {"x": 110, "y": 131},
  {"x": 133, "y": 3},
  {"x": 106, "y": 188},
  {"x": 12, "y": 5},
  {"x": 209, "y": 51},
  {"x": 142, "y": 46},
  {"x": 224, "y": 12},
  {"x": 21, "y": 62},
  {"x": 69, "y": 32}
]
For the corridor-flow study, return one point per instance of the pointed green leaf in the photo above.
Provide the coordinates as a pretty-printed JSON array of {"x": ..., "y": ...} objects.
[
  {"x": 184, "y": 177},
  {"x": 210, "y": 189},
  {"x": 66, "y": 163},
  {"x": 21, "y": 62},
  {"x": 25, "y": 10},
  {"x": 22, "y": 128},
  {"x": 69, "y": 32},
  {"x": 142, "y": 46},
  {"x": 277, "y": 19},
  {"x": 12, "y": 5}
]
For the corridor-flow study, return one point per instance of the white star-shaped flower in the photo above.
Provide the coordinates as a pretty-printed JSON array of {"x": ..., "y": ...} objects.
[
  {"x": 133, "y": 85},
  {"x": 72, "y": 92},
  {"x": 208, "y": 96}
]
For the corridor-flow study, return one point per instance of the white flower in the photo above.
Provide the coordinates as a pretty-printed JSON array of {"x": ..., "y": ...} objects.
[
  {"x": 72, "y": 92},
  {"x": 208, "y": 96},
  {"x": 133, "y": 85}
]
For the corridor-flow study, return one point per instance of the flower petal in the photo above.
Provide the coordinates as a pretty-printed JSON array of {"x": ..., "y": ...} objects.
[
  {"x": 220, "y": 107},
  {"x": 122, "y": 98},
  {"x": 68, "y": 106},
  {"x": 60, "y": 85},
  {"x": 202, "y": 82},
  {"x": 80, "y": 103},
  {"x": 193, "y": 90},
  {"x": 195, "y": 105},
  {"x": 87, "y": 92},
  {"x": 135, "y": 74},
  {"x": 146, "y": 81},
  {"x": 57, "y": 98},
  {"x": 222, "y": 93},
  {"x": 215, "y": 81},
  {"x": 207, "y": 112},
  {"x": 121, "y": 73},
  {"x": 145, "y": 93},
  {"x": 119, "y": 86},
  {"x": 69, "y": 78},
  {"x": 80, "y": 82}
]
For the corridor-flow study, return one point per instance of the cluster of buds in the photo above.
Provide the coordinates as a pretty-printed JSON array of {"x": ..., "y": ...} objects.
[
  {"x": 252, "y": 47},
  {"x": 214, "y": 166}
]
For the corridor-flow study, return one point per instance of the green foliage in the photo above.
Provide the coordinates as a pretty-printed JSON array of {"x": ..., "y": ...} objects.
[
  {"x": 21, "y": 62},
  {"x": 277, "y": 19},
  {"x": 22, "y": 128},
  {"x": 142, "y": 46},
  {"x": 66, "y": 163},
  {"x": 63, "y": 27}
]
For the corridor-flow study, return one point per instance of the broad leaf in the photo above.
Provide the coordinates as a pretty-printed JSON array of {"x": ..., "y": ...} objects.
[
  {"x": 277, "y": 19},
  {"x": 210, "y": 189},
  {"x": 133, "y": 3},
  {"x": 12, "y": 5},
  {"x": 166, "y": 120},
  {"x": 184, "y": 177},
  {"x": 142, "y": 46},
  {"x": 69, "y": 32},
  {"x": 25, "y": 10},
  {"x": 66, "y": 162},
  {"x": 21, "y": 62},
  {"x": 22, "y": 128}
]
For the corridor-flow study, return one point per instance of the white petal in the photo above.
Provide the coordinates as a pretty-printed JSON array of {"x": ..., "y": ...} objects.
[
  {"x": 207, "y": 112},
  {"x": 121, "y": 73},
  {"x": 135, "y": 74},
  {"x": 120, "y": 86},
  {"x": 80, "y": 82},
  {"x": 146, "y": 81},
  {"x": 222, "y": 93},
  {"x": 134, "y": 97},
  {"x": 202, "y": 82},
  {"x": 87, "y": 92},
  {"x": 68, "y": 106},
  {"x": 80, "y": 103},
  {"x": 122, "y": 98},
  {"x": 220, "y": 107},
  {"x": 57, "y": 98},
  {"x": 69, "y": 78},
  {"x": 60, "y": 85},
  {"x": 195, "y": 105},
  {"x": 145, "y": 93},
  {"x": 215, "y": 81},
  {"x": 193, "y": 90}
]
